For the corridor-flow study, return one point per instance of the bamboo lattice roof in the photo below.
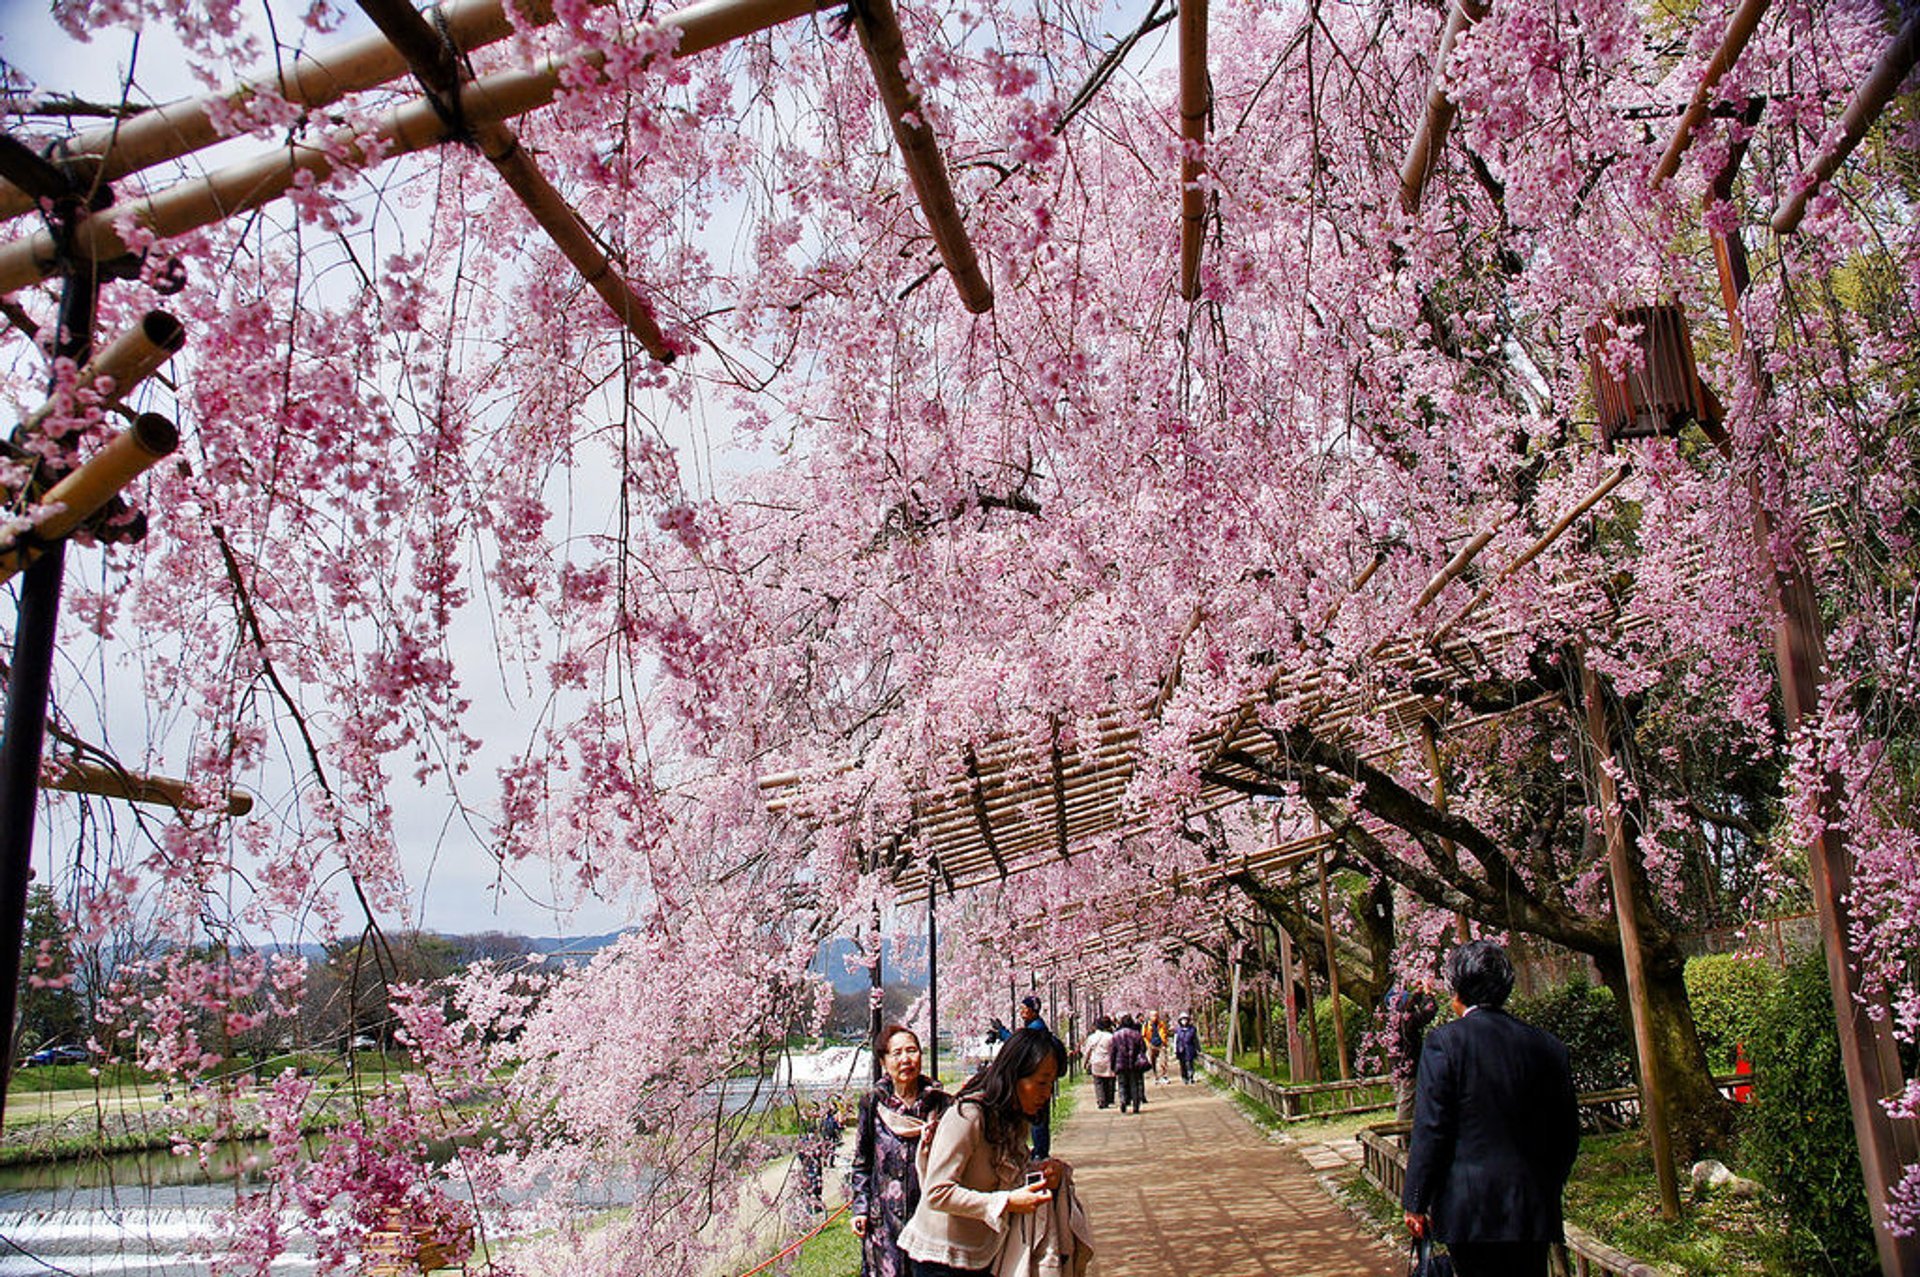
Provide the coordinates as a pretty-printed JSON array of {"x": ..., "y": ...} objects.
[{"x": 1010, "y": 805}]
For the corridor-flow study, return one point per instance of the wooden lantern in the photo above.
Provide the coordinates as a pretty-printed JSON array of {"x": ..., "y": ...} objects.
[{"x": 1660, "y": 396}]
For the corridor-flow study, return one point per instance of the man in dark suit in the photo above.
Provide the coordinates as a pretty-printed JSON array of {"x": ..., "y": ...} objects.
[{"x": 1495, "y": 1128}]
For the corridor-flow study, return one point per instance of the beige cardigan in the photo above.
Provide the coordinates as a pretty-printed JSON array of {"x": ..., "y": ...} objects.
[{"x": 961, "y": 1219}]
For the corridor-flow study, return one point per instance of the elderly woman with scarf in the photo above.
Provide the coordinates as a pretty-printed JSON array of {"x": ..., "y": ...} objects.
[{"x": 884, "y": 1184}]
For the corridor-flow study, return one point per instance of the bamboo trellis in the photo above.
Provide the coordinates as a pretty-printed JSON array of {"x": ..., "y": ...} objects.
[
  {"x": 484, "y": 104},
  {"x": 1015, "y": 804}
]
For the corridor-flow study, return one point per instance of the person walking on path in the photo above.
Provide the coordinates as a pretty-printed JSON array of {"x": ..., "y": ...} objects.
[
  {"x": 1186, "y": 1047},
  {"x": 1097, "y": 1051},
  {"x": 1496, "y": 1128},
  {"x": 1042, "y": 1125},
  {"x": 883, "y": 1186},
  {"x": 1160, "y": 1047},
  {"x": 1409, "y": 1012},
  {"x": 1129, "y": 1053},
  {"x": 979, "y": 1171}
]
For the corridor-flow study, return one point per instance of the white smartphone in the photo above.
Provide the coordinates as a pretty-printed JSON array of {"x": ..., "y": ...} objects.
[{"x": 1036, "y": 1179}]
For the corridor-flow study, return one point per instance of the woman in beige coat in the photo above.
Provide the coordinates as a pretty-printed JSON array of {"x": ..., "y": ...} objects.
[{"x": 977, "y": 1171}]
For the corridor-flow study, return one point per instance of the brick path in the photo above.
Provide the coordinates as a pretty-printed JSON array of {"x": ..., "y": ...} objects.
[{"x": 1190, "y": 1188}]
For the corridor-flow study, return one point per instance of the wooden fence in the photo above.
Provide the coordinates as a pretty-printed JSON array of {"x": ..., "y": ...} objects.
[
  {"x": 1383, "y": 1159},
  {"x": 1320, "y": 1099}
]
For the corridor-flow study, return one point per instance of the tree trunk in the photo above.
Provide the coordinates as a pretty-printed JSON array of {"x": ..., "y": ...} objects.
[{"x": 1697, "y": 1114}]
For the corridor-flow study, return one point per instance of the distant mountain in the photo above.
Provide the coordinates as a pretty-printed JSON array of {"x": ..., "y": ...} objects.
[
  {"x": 578, "y": 947},
  {"x": 830, "y": 962}
]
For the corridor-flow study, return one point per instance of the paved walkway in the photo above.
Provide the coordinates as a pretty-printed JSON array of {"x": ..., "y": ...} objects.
[{"x": 1190, "y": 1188}]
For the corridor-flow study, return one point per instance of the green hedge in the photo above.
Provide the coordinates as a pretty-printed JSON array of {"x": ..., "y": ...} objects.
[
  {"x": 1356, "y": 1026},
  {"x": 1729, "y": 996},
  {"x": 1798, "y": 1133},
  {"x": 1584, "y": 1017}
]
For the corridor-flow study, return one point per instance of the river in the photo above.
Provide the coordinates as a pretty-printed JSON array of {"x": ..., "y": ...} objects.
[{"x": 141, "y": 1214}]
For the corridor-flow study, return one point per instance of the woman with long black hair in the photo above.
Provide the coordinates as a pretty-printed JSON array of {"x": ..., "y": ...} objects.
[{"x": 978, "y": 1170}]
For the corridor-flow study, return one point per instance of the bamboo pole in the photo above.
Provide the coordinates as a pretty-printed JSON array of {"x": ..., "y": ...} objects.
[
  {"x": 880, "y": 36},
  {"x": 127, "y": 456},
  {"x": 75, "y": 777},
  {"x": 1739, "y": 30},
  {"x": 176, "y": 129},
  {"x": 135, "y": 355},
  {"x": 251, "y": 183},
  {"x": 1533, "y": 551},
  {"x": 1453, "y": 568},
  {"x": 1194, "y": 106},
  {"x": 435, "y": 64},
  {"x": 1878, "y": 90},
  {"x": 1653, "y": 1094},
  {"x": 1432, "y": 133}
]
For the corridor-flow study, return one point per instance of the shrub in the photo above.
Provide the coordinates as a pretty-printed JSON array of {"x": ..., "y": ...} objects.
[
  {"x": 1585, "y": 1018},
  {"x": 1356, "y": 1028},
  {"x": 1798, "y": 1135},
  {"x": 1729, "y": 996}
]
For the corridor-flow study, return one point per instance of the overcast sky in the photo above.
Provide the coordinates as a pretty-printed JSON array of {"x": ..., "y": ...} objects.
[{"x": 456, "y": 881}]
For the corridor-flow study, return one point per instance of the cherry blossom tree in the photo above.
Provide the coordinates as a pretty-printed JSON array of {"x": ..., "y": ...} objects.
[{"x": 854, "y": 526}]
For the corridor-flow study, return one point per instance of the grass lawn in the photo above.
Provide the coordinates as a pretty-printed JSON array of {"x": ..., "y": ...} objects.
[
  {"x": 1612, "y": 1196},
  {"x": 834, "y": 1253}
]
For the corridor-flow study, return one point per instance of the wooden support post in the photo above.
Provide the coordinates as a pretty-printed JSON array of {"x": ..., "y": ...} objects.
[
  {"x": 1313, "y": 1026},
  {"x": 877, "y": 990},
  {"x": 1868, "y": 1053},
  {"x": 933, "y": 978},
  {"x": 1432, "y": 133},
  {"x": 1296, "y": 1049},
  {"x": 1462, "y": 929},
  {"x": 1653, "y": 1096},
  {"x": 1262, "y": 1004},
  {"x": 1195, "y": 103},
  {"x": 30, "y": 673},
  {"x": 1333, "y": 968},
  {"x": 1233, "y": 1015},
  {"x": 1878, "y": 90},
  {"x": 879, "y": 29}
]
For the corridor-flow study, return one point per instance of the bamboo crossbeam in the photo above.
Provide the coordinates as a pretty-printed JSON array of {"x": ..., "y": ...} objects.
[
  {"x": 176, "y": 129},
  {"x": 249, "y": 184},
  {"x": 1867, "y": 104},
  {"x": 886, "y": 49},
  {"x": 435, "y": 65},
  {"x": 134, "y": 355},
  {"x": 1454, "y": 567},
  {"x": 1432, "y": 133},
  {"x": 74, "y": 777},
  {"x": 1534, "y": 551},
  {"x": 1193, "y": 136},
  {"x": 125, "y": 458},
  {"x": 1739, "y": 30}
]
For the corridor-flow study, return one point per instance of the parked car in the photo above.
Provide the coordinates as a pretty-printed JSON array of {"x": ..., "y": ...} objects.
[{"x": 68, "y": 1054}]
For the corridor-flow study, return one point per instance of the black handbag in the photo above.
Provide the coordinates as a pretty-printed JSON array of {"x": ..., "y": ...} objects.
[{"x": 1425, "y": 1261}]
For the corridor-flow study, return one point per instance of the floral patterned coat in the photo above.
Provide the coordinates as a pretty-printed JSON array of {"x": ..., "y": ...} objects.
[{"x": 884, "y": 1183}]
